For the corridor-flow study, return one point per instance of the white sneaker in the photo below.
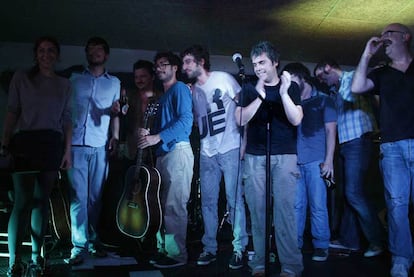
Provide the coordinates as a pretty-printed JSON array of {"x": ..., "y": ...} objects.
[
  {"x": 336, "y": 244},
  {"x": 373, "y": 251}
]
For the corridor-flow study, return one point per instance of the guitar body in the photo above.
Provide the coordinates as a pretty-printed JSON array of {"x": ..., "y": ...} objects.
[
  {"x": 139, "y": 209},
  {"x": 60, "y": 211}
]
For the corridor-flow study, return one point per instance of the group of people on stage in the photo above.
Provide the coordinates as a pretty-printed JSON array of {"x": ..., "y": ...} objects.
[{"x": 274, "y": 136}]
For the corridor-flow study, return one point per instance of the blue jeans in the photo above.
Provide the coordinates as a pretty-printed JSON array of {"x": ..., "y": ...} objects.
[
  {"x": 176, "y": 169},
  {"x": 312, "y": 190},
  {"x": 284, "y": 176},
  {"x": 356, "y": 155},
  {"x": 211, "y": 171},
  {"x": 87, "y": 178},
  {"x": 397, "y": 163}
]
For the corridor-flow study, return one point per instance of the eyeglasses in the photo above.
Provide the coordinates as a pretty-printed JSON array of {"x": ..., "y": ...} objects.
[
  {"x": 161, "y": 66},
  {"x": 390, "y": 32}
]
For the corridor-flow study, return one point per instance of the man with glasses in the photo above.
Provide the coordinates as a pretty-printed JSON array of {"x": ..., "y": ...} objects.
[
  {"x": 175, "y": 160},
  {"x": 394, "y": 82},
  {"x": 356, "y": 123},
  {"x": 214, "y": 96}
]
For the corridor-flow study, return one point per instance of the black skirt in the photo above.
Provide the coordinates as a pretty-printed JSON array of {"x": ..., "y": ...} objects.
[{"x": 37, "y": 150}]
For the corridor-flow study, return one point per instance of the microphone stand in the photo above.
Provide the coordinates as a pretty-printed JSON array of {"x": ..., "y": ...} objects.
[{"x": 269, "y": 212}]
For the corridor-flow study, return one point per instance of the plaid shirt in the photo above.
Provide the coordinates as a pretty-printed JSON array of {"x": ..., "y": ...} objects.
[{"x": 355, "y": 112}]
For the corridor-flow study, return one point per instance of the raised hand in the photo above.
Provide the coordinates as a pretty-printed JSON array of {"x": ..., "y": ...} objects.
[
  {"x": 286, "y": 80},
  {"x": 372, "y": 46},
  {"x": 260, "y": 88}
]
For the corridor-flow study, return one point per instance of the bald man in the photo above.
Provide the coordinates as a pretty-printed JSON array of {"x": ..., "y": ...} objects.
[{"x": 394, "y": 82}]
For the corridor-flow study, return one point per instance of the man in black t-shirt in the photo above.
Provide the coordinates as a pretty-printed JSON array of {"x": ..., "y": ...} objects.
[
  {"x": 394, "y": 83},
  {"x": 274, "y": 102}
]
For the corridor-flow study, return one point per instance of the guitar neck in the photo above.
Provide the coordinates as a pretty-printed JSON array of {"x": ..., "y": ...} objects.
[{"x": 138, "y": 160}]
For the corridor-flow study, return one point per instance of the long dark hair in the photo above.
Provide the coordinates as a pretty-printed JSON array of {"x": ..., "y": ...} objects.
[{"x": 35, "y": 69}]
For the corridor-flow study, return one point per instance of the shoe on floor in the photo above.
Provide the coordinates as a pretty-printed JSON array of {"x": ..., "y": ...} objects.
[
  {"x": 167, "y": 262},
  {"x": 97, "y": 251},
  {"x": 40, "y": 268},
  {"x": 154, "y": 258},
  {"x": 34, "y": 270},
  {"x": 373, "y": 251},
  {"x": 236, "y": 260},
  {"x": 258, "y": 271},
  {"x": 74, "y": 259},
  {"x": 336, "y": 244},
  {"x": 320, "y": 255},
  {"x": 288, "y": 273},
  {"x": 16, "y": 270},
  {"x": 206, "y": 258}
]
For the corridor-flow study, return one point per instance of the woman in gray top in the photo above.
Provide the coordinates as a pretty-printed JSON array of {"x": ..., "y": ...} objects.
[{"x": 37, "y": 132}]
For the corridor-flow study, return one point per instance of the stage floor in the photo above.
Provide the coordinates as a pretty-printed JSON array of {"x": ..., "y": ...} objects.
[{"x": 127, "y": 258}]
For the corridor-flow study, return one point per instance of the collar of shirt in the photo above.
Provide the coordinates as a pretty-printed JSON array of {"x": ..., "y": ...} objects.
[{"x": 105, "y": 74}]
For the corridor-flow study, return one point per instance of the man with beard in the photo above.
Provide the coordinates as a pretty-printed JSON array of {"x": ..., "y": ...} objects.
[
  {"x": 316, "y": 147},
  {"x": 95, "y": 133},
  {"x": 138, "y": 101},
  {"x": 274, "y": 103},
  {"x": 214, "y": 96},
  {"x": 394, "y": 83},
  {"x": 175, "y": 160}
]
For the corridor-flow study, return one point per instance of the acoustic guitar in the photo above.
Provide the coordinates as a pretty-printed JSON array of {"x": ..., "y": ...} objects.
[{"x": 139, "y": 210}]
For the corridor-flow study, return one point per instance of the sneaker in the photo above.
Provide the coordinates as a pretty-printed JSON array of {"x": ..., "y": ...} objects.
[
  {"x": 206, "y": 258},
  {"x": 320, "y": 255},
  {"x": 236, "y": 260},
  {"x": 16, "y": 270},
  {"x": 40, "y": 268},
  {"x": 74, "y": 260},
  {"x": 156, "y": 257},
  {"x": 373, "y": 251},
  {"x": 97, "y": 251},
  {"x": 399, "y": 270},
  {"x": 34, "y": 270},
  {"x": 287, "y": 273},
  {"x": 258, "y": 271},
  {"x": 167, "y": 262},
  {"x": 336, "y": 244}
]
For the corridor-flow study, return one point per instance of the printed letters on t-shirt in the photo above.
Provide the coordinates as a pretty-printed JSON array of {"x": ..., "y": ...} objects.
[{"x": 214, "y": 121}]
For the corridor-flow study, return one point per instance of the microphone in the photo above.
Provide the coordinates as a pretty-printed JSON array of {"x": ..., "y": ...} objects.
[{"x": 237, "y": 58}]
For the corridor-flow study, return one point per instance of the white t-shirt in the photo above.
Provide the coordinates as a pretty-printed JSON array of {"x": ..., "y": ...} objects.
[{"x": 214, "y": 109}]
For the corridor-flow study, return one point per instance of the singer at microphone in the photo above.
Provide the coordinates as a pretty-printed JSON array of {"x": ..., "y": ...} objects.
[
  {"x": 237, "y": 58},
  {"x": 267, "y": 148}
]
